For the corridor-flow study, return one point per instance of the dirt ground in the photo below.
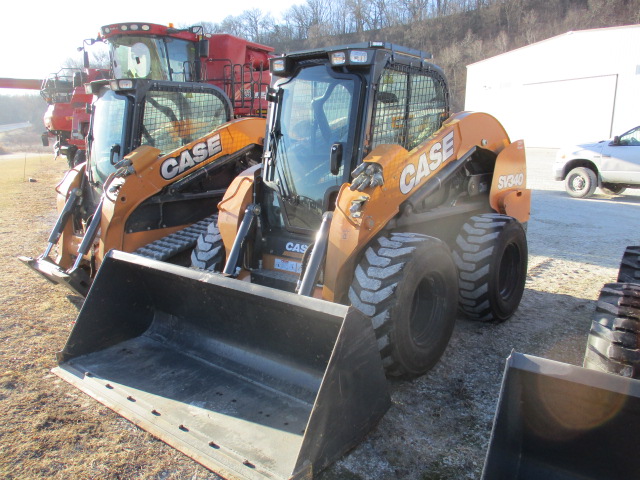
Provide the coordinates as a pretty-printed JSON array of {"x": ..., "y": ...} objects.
[{"x": 438, "y": 426}]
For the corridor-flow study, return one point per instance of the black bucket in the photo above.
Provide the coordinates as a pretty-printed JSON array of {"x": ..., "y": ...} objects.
[
  {"x": 561, "y": 422},
  {"x": 250, "y": 381}
]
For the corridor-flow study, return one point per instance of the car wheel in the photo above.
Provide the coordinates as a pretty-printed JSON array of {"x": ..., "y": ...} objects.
[
  {"x": 581, "y": 182},
  {"x": 612, "y": 189}
]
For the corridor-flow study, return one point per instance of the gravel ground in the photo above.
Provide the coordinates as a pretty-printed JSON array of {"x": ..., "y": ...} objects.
[{"x": 438, "y": 426}]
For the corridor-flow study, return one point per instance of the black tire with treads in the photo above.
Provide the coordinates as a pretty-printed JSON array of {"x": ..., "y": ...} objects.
[
  {"x": 613, "y": 345},
  {"x": 629, "y": 271},
  {"x": 491, "y": 256},
  {"x": 406, "y": 283}
]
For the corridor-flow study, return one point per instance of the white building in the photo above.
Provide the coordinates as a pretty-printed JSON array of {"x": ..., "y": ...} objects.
[{"x": 577, "y": 87}]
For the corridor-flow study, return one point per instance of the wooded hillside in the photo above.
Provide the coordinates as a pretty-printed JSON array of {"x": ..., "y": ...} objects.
[{"x": 455, "y": 32}]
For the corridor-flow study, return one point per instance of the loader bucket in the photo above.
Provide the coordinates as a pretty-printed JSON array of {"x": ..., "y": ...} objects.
[
  {"x": 561, "y": 422},
  {"x": 251, "y": 382}
]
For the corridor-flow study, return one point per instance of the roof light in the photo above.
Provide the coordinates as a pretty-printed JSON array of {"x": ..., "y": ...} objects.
[
  {"x": 124, "y": 28},
  {"x": 278, "y": 65},
  {"x": 338, "y": 58},
  {"x": 134, "y": 27},
  {"x": 121, "y": 84},
  {"x": 106, "y": 30},
  {"x": 358, "y": 56},
  {"x": 146, "y": 27}
]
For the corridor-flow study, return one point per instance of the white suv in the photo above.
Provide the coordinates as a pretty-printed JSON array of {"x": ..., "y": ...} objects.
[{"x": 612, "y": 165}]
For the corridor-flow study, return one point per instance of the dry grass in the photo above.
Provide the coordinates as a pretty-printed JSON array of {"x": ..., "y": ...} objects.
[{"x": 47, "y": 428}]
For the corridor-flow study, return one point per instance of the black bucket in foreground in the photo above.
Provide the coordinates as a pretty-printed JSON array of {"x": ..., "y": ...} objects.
[
  {"x": 561, "y": 422},
  {"x": 251, "y": 382}
]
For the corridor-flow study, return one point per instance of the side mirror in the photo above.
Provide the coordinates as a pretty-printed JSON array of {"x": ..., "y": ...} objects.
[
  {"x": 115, "y": 151},
  {"x": 45, "y": 140},
  {"x": 615, "y": 141},
  {"x": 336, "y": 158},
  {"x": 203, "y": 48},
  {"x": 272, "y": 95}
]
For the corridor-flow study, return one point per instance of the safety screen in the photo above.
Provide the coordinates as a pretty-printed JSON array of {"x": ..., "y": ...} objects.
[
  {"x": 409, "y": 107},
  {"x": 173, "y": 119}
]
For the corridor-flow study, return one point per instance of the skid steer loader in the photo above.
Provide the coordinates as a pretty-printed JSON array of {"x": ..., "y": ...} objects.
[
  {"x": 369, "y": 195},
  {"x": 161, "y": 155}
]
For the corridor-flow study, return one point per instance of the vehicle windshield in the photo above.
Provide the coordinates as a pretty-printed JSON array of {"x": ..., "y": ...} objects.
[
  {"x": 316, "y": 110},
  {"x": 153, "y": 58},
  {"x": 107, "y": 135}
]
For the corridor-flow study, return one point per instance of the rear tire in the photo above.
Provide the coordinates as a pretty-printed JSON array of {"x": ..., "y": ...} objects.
[
  {"x": 613, "y": 345},
  {"x": 491, "y": 256},
  {"x": 406, "y": 283},
  {"x": 209, "y": 253},
  {"x": 581, "y": 182},
  {"x": 612, "y": 189}
]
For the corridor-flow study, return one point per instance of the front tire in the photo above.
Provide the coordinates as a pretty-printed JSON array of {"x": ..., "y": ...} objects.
[
  {"x": 406, "y": 283},
  {"x": 613, "y": 345},
  {"x": 581, "y": 182},
  {"x": 491, "y": 256}
]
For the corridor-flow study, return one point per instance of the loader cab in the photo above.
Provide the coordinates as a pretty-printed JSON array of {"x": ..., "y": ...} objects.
[
  {"x": 329, "y": 109},
  {"x": 130, "y": 113}
]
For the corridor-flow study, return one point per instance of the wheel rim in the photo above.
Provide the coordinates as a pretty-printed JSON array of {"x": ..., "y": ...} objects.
[
  {"x": 509, "y": 272},
  {"x": 578, "y": 183},
  {"x": 426, "y": 307}
]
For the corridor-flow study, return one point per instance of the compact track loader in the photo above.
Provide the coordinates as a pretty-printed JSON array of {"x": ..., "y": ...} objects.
[
  {"x": 371, "y": 198},
  {"x": 158, "y": 97},
  {"x": 161, "y": 155}
]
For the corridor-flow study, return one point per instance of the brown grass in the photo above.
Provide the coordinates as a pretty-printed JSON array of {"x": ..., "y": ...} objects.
[{"x": 48, "y": 429}]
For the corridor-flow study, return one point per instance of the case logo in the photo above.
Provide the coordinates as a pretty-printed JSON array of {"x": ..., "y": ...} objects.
[
  {"x": 439, "y": 153},
  {"x": 174, "y": 166}
]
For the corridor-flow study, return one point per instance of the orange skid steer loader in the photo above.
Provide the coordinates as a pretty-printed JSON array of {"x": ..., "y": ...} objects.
[
  {"x": 371, "y": 198},
  {"x": 161, "y": 155}
]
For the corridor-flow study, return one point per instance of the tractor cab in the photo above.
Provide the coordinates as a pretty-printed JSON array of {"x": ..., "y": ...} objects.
[{"x": 137, "y": 51}]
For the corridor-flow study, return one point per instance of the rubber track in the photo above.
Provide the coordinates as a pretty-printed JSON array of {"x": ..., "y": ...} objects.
[
  {"x": 375, "y": 281},
  {"x": 208, "y": 253},
  {"x": 171, "y": 245},
  {"x": 613, "y": 345}
]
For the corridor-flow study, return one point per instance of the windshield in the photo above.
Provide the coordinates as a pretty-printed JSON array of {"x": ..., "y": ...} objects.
[
  {"x": 107, "y": 135},
  {"x": 153, "y": 58},
  {"x": 315, "y": 112}
]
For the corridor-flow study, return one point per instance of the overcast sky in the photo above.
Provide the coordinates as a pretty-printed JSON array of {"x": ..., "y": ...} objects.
[{"x": 37, "y": 36}]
